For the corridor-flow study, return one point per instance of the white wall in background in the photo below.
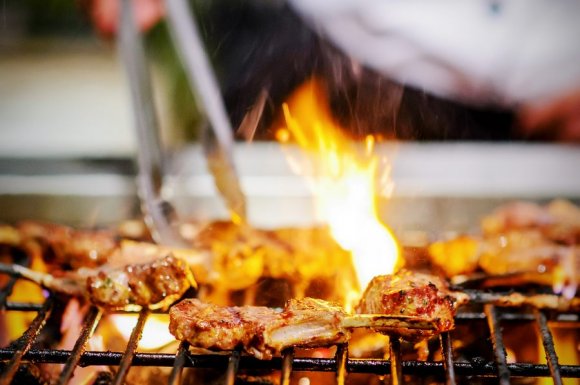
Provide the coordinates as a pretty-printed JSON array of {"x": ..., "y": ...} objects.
[{"x": 64, "y": 100}]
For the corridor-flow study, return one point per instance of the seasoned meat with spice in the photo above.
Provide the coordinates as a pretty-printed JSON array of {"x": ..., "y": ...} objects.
[
  {"x": 521, "y": 243},
  {"x": 224, "y": 257},
  {"x": 240, "y": 257},
  {"x": 558, "y": 221},
  {"x": 65, "y": 246},
  {"x": 261, "y": 331},
  {"x": 155, "y": 283},
  {"x": 416, "y": 295}
]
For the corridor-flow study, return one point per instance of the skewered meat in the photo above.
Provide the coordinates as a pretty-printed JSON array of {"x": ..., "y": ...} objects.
[
  {"x": 456, "y": 256},
  {"x": 224, "y": 257},
  {"x": 558, "y": 221},
  {"x": 408, "y": 304},
  {"x": 520, "y": 251},
  {"x": 154, "y": 284},
  {"x": 62, "y": 245},
  {"x": 239, "y": 257},
  {"x": 413, "y": 294},
  {"x": 261, "y": 331},
  {"x": 522, "y": 242}
]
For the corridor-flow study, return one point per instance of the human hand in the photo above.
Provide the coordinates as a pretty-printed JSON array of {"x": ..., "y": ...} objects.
[{"x": 105, "y": 14}]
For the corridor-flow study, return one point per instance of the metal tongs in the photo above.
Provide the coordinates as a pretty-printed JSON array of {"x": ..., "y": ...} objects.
[{"x": 217, "y": 140}]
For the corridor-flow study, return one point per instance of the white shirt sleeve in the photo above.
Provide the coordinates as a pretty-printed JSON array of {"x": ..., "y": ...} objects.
[{"x": 476, "y": 51}]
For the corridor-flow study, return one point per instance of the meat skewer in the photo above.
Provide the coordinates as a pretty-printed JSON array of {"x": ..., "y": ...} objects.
[
  {"x": 263, "y": 331},
  {"x": 408, "y": 304},
  {"x": 538, "y": 301},
  {"x": 417, "y": 295},
  {"x": 153, "y": 284},
  {"x": 224, "y": 257},
  {"x": 520, "y": 243},
  {"x": 424, "y": 296}
]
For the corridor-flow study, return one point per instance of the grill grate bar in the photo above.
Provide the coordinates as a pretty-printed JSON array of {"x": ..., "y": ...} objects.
[
  {"x": 25, "y": 342},
  {"x": 396, "y": 358},
  {"x": 459, "y": 317},
  {"x": 89, "y": 326},
  {"x": 341, "y": 360},
  {"x": 447, "y": 349},
  {"x": 286, "y": 371},
  {"x": 233, "y": 365},
  {"x": 6, "y": 291},
  {"x": 23, "y": 306},
  {"x": 354, "y": 365},
  {"x": 131, "y": 347},
  {"x": 549, "y": 349},
  {"x": 180, "y": 359},
  {"x": 498, "y": 346}
]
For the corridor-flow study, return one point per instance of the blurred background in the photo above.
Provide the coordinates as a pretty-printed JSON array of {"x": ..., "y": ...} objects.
[{"x": 67, "y": 137}]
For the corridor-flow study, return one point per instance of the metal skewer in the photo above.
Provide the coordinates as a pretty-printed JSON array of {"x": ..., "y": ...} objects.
[{"x": 387, "y": 321}]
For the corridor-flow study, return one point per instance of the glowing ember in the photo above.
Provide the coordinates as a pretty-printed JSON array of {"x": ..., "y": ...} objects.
[
  {"x": 345, "y": 179},
  {"x": 24, "y": 291},
  {"x": 155, "y": 332}
]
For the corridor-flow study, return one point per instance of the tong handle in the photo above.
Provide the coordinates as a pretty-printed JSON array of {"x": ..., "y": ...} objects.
[{"x": 159, "y": 215}]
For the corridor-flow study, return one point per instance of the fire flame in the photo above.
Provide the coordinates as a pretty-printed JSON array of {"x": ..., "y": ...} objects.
[
  {"x": 346, "y": 180},
  {"x": 155, "y": 331}
]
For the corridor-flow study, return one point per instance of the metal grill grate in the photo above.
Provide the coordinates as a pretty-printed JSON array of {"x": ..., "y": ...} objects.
[{"x": 341, "y": 364}]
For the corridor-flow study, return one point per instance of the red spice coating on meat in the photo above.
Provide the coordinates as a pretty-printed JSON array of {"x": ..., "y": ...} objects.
[
  {"x": 412, "y": 294},
  {"x": 66, "y": 246},
  {"x": 261, "y": 331},
  {"x": 161, "y": 281}
]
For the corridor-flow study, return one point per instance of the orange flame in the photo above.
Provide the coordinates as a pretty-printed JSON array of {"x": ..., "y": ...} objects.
[{"x": 344, "y": 178}]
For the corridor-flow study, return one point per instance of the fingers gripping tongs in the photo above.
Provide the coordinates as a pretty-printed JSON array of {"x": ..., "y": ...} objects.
[{"x": 217, "y": 140}]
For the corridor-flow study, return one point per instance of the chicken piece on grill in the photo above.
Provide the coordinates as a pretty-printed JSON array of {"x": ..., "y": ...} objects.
[
  {"x": 240, "y": 257},
  {"x": 521, "y": 243},
  {"x": 60, "y": 245},
  {"x": 224, "y": 257},
  {"x": 416, "y": 295},
  {"x": 522, "y": 251},
  {"x": 517, "y": 251},
  {"x": 261, "y": 331},
  {"x": 68, "y": 247},
  {"x": 558, "y": 221},
  {"x": 153, "y": 284}
]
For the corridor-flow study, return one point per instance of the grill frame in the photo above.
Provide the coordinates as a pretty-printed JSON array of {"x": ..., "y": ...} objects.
[{"x": 340, "y": 364}]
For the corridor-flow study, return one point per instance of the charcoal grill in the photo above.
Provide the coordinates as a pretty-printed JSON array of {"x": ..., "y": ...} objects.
[
  {"x": 449, "y": 369},
  {"x": 452, "y": 194}
]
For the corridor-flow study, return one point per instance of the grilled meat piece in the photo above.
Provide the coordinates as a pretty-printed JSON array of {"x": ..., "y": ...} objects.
[
  {"x": 456, "y": 256},
  {"x": 224, "y": 257},
  {"x": 523, "y": 251},
  {"x": 558, "y": 221},
  {"x": 261, "y": 331},
  {"x": 515, "y": 252},
  {"x": 68, "y": 247},
  {"x": 521, "y": 243},
  {"x": 154, "y": 284},
  {"x": 239, "y": 257},
  {"x": 413, "y": 294}
]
